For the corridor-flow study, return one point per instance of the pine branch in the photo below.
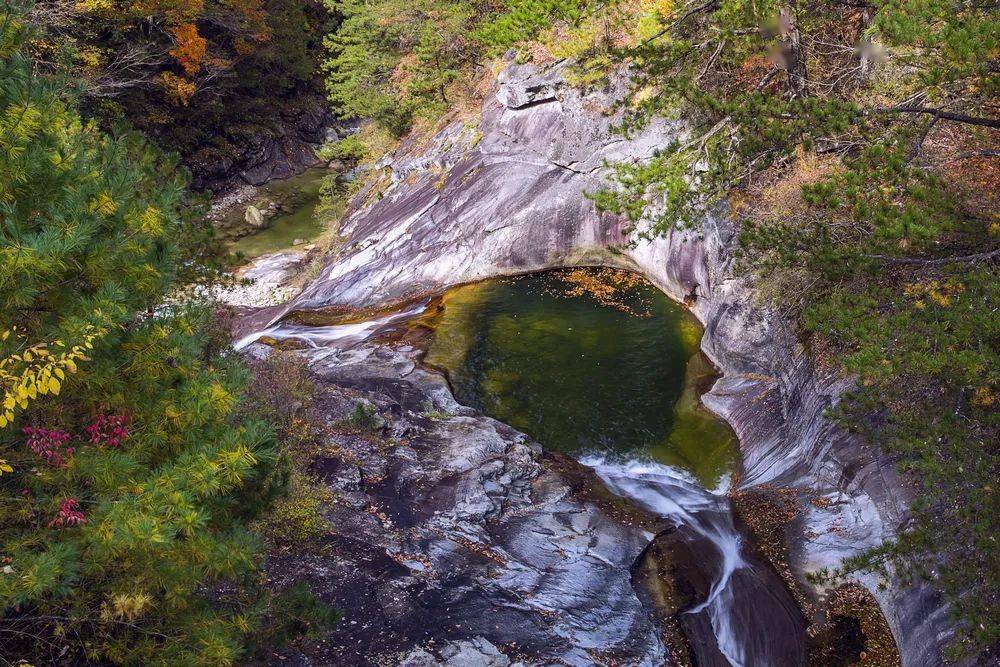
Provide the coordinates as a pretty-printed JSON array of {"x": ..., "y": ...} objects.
[
  {"x": 711, "y": 4},
  {"x": 942, "y": 114},
  {"x": 978, "y": 257}
]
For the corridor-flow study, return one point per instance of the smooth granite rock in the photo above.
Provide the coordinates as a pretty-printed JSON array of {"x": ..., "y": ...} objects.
[
  {"x": 453, "y": 541},
  {"x": 508, "y": 196}
]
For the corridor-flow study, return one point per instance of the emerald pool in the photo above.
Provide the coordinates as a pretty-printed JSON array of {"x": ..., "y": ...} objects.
[
  {"x": 300, "y": 197},
  {"x": 586, "y": 361}
]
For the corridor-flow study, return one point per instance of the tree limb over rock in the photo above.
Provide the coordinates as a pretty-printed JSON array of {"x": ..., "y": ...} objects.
[{"x": 978, "y": 257}]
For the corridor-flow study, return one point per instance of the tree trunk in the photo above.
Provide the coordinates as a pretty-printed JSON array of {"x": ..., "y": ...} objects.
[{"x": 791, "y": 48}]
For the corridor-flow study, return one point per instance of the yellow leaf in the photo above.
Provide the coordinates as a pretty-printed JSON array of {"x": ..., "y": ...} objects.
[
  {"x": 103, "y": 204},
  {"x": 5, "y": 467},
  {"x": 54, "y": 386}
]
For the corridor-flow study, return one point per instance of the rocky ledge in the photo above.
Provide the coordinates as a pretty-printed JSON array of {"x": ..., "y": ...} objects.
[
  {"x": 255, "y": 152},
  {"x": 505, "y": 197},
  {"x": 453, "y": 539}
]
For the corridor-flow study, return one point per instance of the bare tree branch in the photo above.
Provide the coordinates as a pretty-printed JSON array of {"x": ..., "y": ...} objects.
[
  {"x": 978, "y": 257},
  {"x": 942, "y": 114}
]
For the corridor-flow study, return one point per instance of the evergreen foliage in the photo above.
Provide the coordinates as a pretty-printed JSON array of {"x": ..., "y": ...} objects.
[
  {"x": 393, "y": 59},
  {"x": 130, "y": 471},
  {"x": 398, "y": 62},
  {"x": 523, "y": 20}
]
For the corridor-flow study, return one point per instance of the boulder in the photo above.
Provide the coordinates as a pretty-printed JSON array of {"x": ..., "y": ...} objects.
[{"x": 254, "y": 217}]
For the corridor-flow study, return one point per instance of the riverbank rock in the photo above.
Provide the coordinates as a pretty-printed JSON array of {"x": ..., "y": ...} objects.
[
  {"x": 508, "y": 196},
  {"x": 254, "y": 153},
  {"x": 268, "y": 280},
  {"x": 451, "y": 540},
  {"x": 254, "y": 217}
]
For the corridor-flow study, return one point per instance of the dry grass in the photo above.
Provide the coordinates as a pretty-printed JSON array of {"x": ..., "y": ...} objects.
[
  {"x": 950, "y": 150},
  {"x": 778, "y": 194}
]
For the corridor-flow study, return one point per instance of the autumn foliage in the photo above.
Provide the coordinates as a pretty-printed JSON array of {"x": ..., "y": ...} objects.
[{"x": 190, "y": 49}]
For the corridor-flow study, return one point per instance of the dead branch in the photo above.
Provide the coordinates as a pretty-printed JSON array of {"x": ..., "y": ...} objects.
[
  {"x": 942, "y": 114},
  {"x": 964, "y": 259}
]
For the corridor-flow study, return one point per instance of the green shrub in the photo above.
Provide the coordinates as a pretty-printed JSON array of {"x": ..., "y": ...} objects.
[{"x": 365, "y": 418}]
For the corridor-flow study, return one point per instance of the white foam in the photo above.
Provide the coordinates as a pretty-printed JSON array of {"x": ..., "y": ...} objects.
[{"x": 674, "y": 495}]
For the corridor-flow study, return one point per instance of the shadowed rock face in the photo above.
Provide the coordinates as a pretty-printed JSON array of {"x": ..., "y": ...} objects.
[{"x": 507, "y": 197}]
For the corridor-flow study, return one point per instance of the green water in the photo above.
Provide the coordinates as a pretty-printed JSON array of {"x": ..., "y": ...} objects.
[
  {"x": 301, "y": 196},
  {"x": 583, "y": 377}
]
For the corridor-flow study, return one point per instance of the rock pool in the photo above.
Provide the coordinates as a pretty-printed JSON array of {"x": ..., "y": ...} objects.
[{"x": 588, "y": 362}]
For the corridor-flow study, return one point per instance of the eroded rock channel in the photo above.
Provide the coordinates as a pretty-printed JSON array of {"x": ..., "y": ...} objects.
[
  {"x": 602, "y": 366},
  {"x": 603, "y": 370},
  {"x": 461, "y": 541}
]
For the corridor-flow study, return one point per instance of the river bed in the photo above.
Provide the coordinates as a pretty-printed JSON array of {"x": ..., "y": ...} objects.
[{"x": 297, "y": 219}]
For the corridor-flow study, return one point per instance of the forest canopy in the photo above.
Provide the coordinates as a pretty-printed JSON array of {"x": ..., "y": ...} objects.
[{"x": 201, "y": 77}]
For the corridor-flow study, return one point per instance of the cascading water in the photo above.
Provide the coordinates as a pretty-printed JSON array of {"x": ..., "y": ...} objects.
[
  {"x": 604, "y": 367},
  {"x": 753, "y": 621},
  {"x": 675, "y": 496},
  {"x": 333, "y": 337}
]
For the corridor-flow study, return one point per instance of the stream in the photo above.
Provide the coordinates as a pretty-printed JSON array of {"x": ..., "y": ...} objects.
[
  {"x": 299, "y": 197},
  {"x": 602, "y": 366}
]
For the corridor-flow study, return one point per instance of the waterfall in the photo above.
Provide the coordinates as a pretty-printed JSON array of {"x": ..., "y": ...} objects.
[{"x": 753, "y": 620}]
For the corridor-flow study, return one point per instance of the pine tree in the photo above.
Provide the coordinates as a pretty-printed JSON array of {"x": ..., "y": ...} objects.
[
  {"x": 394, "y": 61},
  {"x": 129, "y": 473},
  {"x": 811, "y": 120}
]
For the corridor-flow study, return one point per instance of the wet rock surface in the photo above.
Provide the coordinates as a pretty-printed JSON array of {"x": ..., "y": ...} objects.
[
  {"x": 774, "y": 624},
  {"x": 453, "y": 542},
  {"x": 506, "y": 198}
]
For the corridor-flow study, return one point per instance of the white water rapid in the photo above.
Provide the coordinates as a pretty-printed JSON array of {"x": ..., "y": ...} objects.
[
  {"x": 330, "y": 338},
  {"x": 674, "y": 495}
]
